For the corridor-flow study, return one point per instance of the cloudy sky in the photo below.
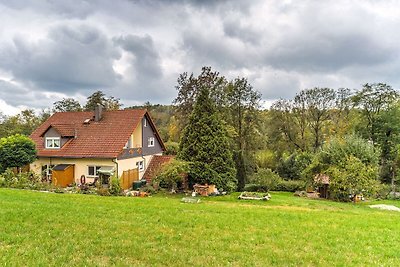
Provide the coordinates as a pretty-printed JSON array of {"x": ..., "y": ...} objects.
[{"x": 135, "y": 50}]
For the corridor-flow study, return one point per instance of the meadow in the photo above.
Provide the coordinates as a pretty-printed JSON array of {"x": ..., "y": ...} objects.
[{"x": 49, "y": 229}]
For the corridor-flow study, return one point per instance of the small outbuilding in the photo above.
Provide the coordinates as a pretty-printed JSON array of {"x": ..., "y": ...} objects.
[
  {"x": 322, "y": 181},
  {"x": 63, "y": 174}
]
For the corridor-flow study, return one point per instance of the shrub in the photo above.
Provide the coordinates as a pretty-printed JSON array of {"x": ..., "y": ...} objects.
[
  {"x": 102, "y": 191},
  {"x": 148, "y": 189},
  {"x": 171, "y": 148},
  {"x": 22, "y": 181},
  {"x": 352, "y": 165},
  {"x": 172, "y": 174},
  {"x": 290, "y": 185},
  {"x": 282, "y": 185},
  {"x": 293, "y": 166},
  {"x": 115, "y": 186},
  {"x": 265, "y": 178}
]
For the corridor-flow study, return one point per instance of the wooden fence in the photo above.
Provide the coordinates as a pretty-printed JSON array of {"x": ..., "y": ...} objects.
[{"x": 128, "y": 177}]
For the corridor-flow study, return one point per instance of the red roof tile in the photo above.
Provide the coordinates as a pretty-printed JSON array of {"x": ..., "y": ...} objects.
[
  {"x": 65, "y": 130},
  {"x": 102, "y": 139}
]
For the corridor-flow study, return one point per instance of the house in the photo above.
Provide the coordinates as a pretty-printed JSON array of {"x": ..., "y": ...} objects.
[{"x": 72, "y": 146}]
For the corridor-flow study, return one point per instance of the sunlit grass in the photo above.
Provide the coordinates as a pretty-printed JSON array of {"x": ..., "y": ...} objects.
[{"x": 67, "y": 229}]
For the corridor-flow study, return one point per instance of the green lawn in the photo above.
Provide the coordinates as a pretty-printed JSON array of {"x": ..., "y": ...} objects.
[{"x": 41, "y": 229}]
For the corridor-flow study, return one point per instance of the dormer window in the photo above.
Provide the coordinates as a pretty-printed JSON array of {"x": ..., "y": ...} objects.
[{"x": 53, "y": 142}]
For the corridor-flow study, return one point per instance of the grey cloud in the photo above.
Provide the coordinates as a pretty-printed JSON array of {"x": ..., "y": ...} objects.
[
  {"x": 145, "y": 79},
  {"x": 70, "y": 59},
  {"x": 69, "y": 9},
  {"x": 147, "y": 60}
]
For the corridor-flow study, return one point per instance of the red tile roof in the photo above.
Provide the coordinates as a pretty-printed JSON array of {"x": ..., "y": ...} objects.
[
  {"x": 102, "y": 139},
  {"x": 66, "y": 130}
]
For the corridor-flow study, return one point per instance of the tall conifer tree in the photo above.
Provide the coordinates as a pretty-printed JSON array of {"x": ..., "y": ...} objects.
[{"x": 205, "y": 144}]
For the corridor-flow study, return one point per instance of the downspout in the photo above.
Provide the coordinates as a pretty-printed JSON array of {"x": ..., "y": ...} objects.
[{"x": 116, "y": 163}]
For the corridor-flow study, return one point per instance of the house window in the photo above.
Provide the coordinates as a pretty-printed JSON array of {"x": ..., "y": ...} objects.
[
  {"x": 52, "y": 142},
  {"x": 150, "y": 142},
  {"x": 145, "y": 123},
  {"x": 140, "y": 165},
  {"x": 93, "y": 171}
]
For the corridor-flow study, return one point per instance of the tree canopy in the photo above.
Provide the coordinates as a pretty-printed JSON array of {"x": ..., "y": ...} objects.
[{"x": 16, "y": 151}]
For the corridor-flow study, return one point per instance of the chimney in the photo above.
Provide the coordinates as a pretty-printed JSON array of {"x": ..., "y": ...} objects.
[{"x": 98, "y": 112}]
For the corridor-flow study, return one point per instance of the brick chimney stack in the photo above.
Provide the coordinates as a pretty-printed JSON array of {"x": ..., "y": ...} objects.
[{"x": 98, "y": 112}]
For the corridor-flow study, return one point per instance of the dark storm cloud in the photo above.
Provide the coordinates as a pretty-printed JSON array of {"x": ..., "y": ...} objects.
[{"x": 71, "y": 58}]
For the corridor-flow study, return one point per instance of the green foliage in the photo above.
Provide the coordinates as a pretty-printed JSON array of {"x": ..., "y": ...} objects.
[
  {"x": 172, "y": 174},
  {"x": 103, "y": 191},
  {"x": 292, "y": 167},
  {"x": 352, "y": 165},
  {"x": 351, "y": 176},
  {"x": 67, "y": 104},
  {"x": 23, "y": 123},
  {"x": 148, "y": 189},
  {"x": 115, "y": 186},
  {"x": 172, "y": 148},
  {"x": 28, "y": 180},
  {"x": 205, "y": 144},
  {"x": 290, "y": 185},
  {"x": 16, "y": 151},
  {"x": 373, "y": 99},
  {"x": 266, "y": 179},
  {"x": 98, "y": 97},
  {"x": 282, "y": 185},
  {"x": 266, "y": 159}
]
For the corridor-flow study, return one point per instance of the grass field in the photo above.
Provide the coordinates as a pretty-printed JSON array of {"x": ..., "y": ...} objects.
[{"x": 41, "y": 229}]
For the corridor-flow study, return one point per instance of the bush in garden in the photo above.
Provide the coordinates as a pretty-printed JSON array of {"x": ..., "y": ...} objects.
[
  {"x": 290, "y": 185},
  {"x": 115, "y": 186},
  {"x": 102, "y": 191},
  {"x": 172, "y": 174},
  {"x": 266, "y": 179},
  {"x": 352, "y": 165}
]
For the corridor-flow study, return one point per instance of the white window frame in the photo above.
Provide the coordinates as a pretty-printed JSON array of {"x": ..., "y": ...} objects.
[
  {"x": 96, "y": 168},
  {"x": 140, "y": 165},
  {"x": 53, "y": 141},
  {"x": 144, "y": 122},
  {"x": 150, "y": 142},
  {"x": 48, "y": 171}
]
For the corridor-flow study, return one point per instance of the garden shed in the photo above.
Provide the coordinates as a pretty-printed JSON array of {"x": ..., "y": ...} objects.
[
  {"x": 63, "y": 174},
  {"x": 322, "y": 181}
]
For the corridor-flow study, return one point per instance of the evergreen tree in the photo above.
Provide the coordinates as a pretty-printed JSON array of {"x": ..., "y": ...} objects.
[{"x": 205, "y": 144}]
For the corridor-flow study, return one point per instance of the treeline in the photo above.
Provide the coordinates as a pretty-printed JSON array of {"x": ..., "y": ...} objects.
[
  {"x": 298, "y": 127},
  {"x": 285, "y": 138}
]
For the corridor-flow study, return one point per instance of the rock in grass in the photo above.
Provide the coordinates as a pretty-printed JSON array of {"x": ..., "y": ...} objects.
[
  {"x": 385, "y": 207},
  {"x": 190, "y": 200}
]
